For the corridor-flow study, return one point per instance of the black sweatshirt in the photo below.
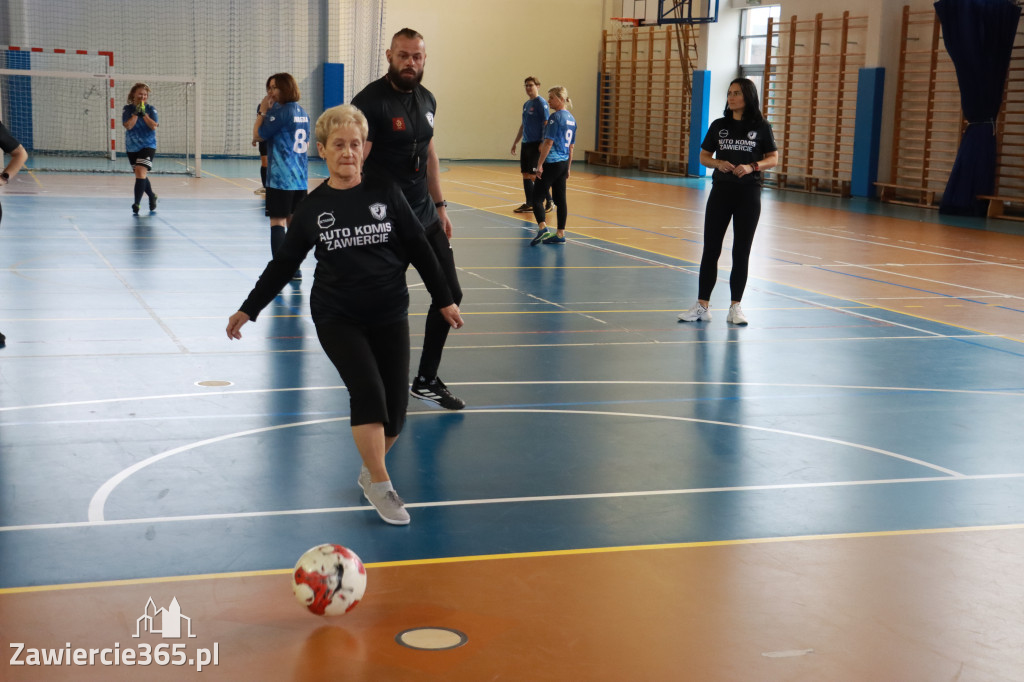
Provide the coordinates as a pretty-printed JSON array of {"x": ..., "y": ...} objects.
[{"x": 364, "y": 240}]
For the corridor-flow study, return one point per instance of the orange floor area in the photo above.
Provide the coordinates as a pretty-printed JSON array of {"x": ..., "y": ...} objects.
[{"x": 931, "y": 606}]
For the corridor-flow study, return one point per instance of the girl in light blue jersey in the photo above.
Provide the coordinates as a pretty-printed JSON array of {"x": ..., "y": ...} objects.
[{"x": 554, "y": 164}]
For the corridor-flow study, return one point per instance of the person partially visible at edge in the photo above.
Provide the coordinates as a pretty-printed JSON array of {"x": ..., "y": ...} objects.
[{"x": 19, "y": 156}]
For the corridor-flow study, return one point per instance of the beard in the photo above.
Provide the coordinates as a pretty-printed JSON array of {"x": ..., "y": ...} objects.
[{"x": 403, "y": 81}]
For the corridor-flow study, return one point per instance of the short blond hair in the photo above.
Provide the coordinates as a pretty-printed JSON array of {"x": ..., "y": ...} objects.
[{"x": 339, "y": 117}]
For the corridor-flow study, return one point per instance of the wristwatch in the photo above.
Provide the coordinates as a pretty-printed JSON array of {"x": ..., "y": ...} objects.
[{"x": 441, "y": 204}]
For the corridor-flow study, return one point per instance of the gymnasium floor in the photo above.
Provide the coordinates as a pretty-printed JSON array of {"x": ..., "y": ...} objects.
[{"x": 835, "y": 492}]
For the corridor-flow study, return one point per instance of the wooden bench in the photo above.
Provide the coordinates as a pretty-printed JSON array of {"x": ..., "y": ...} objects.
[
  {"x": 805, "y": 182},
  {"x": 609, "y": 159},
  {"x": 888, "y": 194},
  {"x": 997, "y": 206}
]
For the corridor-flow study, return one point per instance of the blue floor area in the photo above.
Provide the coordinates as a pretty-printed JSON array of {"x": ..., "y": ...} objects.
[{"x": 595, "y": 419}]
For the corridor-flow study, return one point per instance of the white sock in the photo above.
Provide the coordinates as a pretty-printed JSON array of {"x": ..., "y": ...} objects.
[{"x": 381, "y": 487}]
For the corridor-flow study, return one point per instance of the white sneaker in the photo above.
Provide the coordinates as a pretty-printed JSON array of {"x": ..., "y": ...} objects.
[
  {"x": 388, "y": 504},
  {"x": 736, "y": 315},
  {"x": 364, "y": 479},
  {"x": 696, "y": 312}
]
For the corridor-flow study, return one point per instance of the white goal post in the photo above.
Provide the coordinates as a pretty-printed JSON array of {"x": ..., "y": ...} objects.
[{"x": 67, "y": 119}]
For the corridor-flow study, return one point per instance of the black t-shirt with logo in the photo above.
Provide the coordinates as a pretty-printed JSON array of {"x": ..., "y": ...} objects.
[
  {"x": 364, "y": 239},
  {"x": 401, "y": 127},
  {"x": 738, "y": 142}
]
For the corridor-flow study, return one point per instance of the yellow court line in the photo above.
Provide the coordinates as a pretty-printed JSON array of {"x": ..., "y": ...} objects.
[
  {"x": 32, "y": 175},
  {"x": 524, "y": 555}
]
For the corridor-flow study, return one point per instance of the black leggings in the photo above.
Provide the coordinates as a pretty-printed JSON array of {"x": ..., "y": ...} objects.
[
  {"x": 435, "y": 332},
  {"x": 552, "y": 179},
  {"x": 741, "y": 203},
  {"x": 373, "y": 361}
]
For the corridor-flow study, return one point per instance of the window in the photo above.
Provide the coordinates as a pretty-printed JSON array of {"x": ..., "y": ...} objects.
[{"x": 754, "y": 39}]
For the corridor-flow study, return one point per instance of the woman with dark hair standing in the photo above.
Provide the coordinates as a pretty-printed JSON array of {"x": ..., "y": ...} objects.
[
  {"x": 738, "y": 147},
  {"x": 285, "y": 127}
]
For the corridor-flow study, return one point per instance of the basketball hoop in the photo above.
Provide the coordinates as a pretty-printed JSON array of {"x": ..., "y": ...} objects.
[{"x": 626, "y": 24}]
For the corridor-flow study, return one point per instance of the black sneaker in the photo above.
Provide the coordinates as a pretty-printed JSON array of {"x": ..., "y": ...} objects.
[
  {"x": 152, "y": 203},
  {"x": 135, "y": 209},
  {"x": 549, "y": 207},
  {"x": 435, "y": 391},
  {"x": 525, "y": 208},
  {"x": 3, "y": 340}
]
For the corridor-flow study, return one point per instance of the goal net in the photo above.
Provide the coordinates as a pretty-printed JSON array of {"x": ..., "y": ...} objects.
[
  {"x": 230, "y": 47},
  {"x": 71, "y": 121}
]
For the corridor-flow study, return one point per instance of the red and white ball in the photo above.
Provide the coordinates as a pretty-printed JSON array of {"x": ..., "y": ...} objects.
[{"x": 329, "y": 580}]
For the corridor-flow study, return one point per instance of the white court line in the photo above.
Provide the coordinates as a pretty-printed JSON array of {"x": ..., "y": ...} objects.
[
  {"x": 501, "y": 500},
  {"x": 621, "y": 382},
  {"x": 131, "y": 290},
  {"x": 958, "y": 256},
  {"x": 854, "y": 313},
  {"x": 99, "y": 498},
  {"x": 927, "y": 279}
]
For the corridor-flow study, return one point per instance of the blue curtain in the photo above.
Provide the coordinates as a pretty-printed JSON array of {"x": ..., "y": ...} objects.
[{"x": 979, "y": 38}]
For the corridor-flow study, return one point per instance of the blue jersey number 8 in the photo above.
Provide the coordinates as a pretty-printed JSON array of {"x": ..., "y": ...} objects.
[{"x": 301, "y": 141}]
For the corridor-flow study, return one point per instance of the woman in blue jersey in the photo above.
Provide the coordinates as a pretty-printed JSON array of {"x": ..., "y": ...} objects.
[
  {"x": 553, "y": 165},
  {"x": 531, "y": 132},
  {"x": 285, "y": 127},
  {"x": 140, "y": 121}
]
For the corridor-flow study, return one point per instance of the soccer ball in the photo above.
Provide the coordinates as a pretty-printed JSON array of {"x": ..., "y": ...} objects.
[{"x": 329, "y": 580}]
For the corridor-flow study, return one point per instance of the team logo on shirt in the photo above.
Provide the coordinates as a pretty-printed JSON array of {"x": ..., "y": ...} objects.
[
  {"x": 325, "y": 220},
  {"x": 752, "y": 135},
  {"x": 724, "y": 132},
  {"x": 379, "y": 211},
  {"x": 398, "y": 123},
  {"x": 430, "y": 118}
]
